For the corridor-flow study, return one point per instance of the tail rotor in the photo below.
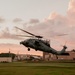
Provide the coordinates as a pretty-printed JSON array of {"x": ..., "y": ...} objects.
[{"x": 64, "y": 46}]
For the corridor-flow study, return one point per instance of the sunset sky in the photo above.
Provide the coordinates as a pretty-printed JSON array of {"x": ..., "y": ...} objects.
[{"x": 42, "y": 17}]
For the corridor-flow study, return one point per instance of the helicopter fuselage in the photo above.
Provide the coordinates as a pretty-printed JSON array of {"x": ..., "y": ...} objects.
[
  {"x": 36, "y": 44},
  {"x": 41, "y": 45}
]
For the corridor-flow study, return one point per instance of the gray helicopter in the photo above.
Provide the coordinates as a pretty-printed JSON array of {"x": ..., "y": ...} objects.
[{"x": 38, "y": 43}]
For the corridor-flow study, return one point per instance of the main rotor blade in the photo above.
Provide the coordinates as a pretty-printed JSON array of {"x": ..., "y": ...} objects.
[
  {"x": 24, "y": 36},
  {"x": 29, "y": 33},
  {"x": 62, "y": 34},
  {"x": 25, "y": 31}
]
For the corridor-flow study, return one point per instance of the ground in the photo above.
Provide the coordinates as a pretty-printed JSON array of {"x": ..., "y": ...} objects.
[{"x": 49, "y": 68}]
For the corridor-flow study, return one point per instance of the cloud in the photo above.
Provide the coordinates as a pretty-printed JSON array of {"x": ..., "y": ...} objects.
[
  {"x": 33, "y": 21},
  {"x": 71, "y": 13},
  {"x": 12, "y": 47},
  {"x": 16, "y": 48},
  {"x": 55, "y": 23},
  {"x": 2, "y": 20},
  {"x": 5, "y": 34},
  {"x": 71, "y": 7},
  {"x": 17, "y": 20}
]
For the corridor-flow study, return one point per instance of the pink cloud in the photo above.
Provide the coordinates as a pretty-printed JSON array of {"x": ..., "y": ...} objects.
[
  {"x": 71, "y": 13},
  {"x": 2, "y": 20},
  {"x": 33, "y": 21},
  {"x": 5, "y": 34},
  {"x": 16, "y": 20},
  {"x": 14, "y": 48}
]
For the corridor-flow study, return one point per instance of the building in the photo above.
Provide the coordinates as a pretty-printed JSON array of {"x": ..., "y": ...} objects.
[{"x": 5, "y": 59}]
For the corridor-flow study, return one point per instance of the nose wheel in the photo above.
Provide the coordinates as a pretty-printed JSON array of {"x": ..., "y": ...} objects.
[{"x": 28, "y": 49}]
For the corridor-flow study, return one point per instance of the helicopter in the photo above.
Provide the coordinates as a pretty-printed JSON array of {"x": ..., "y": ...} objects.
[{"x": 39, "y": 44}]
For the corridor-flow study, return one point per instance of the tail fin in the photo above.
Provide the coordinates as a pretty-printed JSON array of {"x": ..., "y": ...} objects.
[
  {"x": 62, "y": 52},
  {"x": 64, "y": 49}
]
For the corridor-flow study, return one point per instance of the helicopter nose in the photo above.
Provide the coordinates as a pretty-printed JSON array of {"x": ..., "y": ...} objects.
[
  {"x": 21, "y": 42},
  {"x": 25, "y": 43}
]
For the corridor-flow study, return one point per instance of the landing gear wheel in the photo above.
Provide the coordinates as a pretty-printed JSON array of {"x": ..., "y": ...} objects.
[{"x": 28, "y": 49}]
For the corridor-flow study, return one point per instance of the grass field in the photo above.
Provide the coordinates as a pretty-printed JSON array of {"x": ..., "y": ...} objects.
[{"x": 22, "y": 68}]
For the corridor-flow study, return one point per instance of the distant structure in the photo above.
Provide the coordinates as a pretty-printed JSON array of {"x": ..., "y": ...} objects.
[
  {"x": 26, "y": 57},
  {"x": 49, "y": 56},
  {"x": 5, "y": 59}
]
